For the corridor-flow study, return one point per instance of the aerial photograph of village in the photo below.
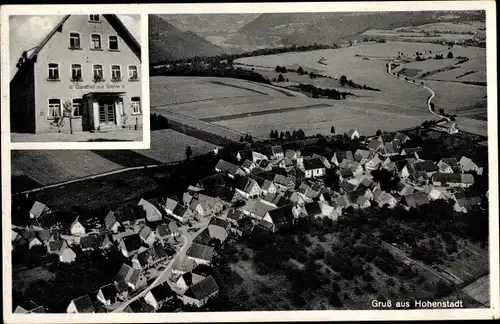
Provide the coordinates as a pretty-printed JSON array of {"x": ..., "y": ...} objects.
[
  {"x": 75, "y": 78},
  {"x": 298, "y": 161}
]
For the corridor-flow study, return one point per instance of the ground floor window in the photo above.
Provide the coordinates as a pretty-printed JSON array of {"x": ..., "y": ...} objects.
[
  {"x": 77, "y": 107},
  {"x": 54, "y": 108},
  {"x": 136, "y": 105}
]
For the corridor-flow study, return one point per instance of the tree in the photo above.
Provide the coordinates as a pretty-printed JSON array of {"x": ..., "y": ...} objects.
[
  {"x": 242, "y": 139},
  {"x": 282, "y": 135},
  {"x": 58, "y": 121},
  {"x": 281, "y": 78},
  {"x": 288, "y": 135},
  {"x": 432, "y": 106},
  {"x": 441, "y": 111},
  {"x": 343, "y": 80},
  {"x": 332, "y": 130},
  {"x": 300, "y": 70},
  {"x": 271, "y": 135},
  {"x": 68, "y": 111},
  {"x": 189, "y": 152},
  {"x": 450, "y": 55},
  {"x": 378, "y": 133}
]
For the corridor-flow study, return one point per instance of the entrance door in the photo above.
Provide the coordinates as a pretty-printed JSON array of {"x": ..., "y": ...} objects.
[{"x": 107, "y": 113}]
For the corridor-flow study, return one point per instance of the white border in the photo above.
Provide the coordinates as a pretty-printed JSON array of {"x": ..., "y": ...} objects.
[
  {"x": 488, "y": 6},
  {"x": 76, "y": 10}
]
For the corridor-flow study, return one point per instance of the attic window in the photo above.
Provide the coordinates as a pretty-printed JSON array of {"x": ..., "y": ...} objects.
[{"x": 94, "y": 18}]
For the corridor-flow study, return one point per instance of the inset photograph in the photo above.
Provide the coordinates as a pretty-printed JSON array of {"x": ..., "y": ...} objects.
[{"x": 75, "y": 78}]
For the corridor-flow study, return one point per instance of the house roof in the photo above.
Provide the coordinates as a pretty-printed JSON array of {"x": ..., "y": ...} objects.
[
  {"x": 121, "y": 286},
  {"x": 275, "y": 199},
  {"x": 57, "y": 246},
  {"x": 314, "y": 163},
  {"x": 110, "y": 219},
  {"x": 361, "y": 154},
  {"x": 375, "y": 144},
  {"x": 215, "y": 221},
  {"x": 200, "y": 251},
  {"x": 235, "y": 214},
  {"x": 37, "y": 209},
  {"x": 425, "y": 166},
  {"x": 170, "y": 204},
  {"x": 245, "y": 184},
  {"x": 109, "y": 292},
  {"x": 213, "y": 181},
  {"x": 203, "y": 289},
  {"x": 352, "y": 132},
  {"x": 192, "y": 277},
  {"x": 113, "y": 20},
  {"x": 401, "y": 137},
  {"x": 129, "y": 213},
  {"x": 467, "y": 163},
  {"x": 464, "y": 178},
  {"x": 257, "y": 207},
  {"x": 84, "y": 304},
  {"x": 145, "y": 232},
  {"x": 203, "y": 237},
  {"x": 151, "y": 206},
  {"x": 313, "y": 208},
  {"x": 290, "y": 154},
  {"x": 383, "y": 197},
  {"x": 128, "y": 274},
  {"x": 248, "y": 164},
  {"x": 281, "y": 215},
  {"x": 389, "y": 148},
  {"x": 450, "y": 161},
  {"x": 277, "y": 149},
  {"x": 90, "y": 241},
  {"x": 141, "y": 306},
  {"x": 227, "y": 167},
  {"x": 162, "y": 292},
  {"x": 416, "y": 199},
  {"x": 163, "y": 230},
  {"x": 132, "y": 242},
  {"x": 180, "y": 210},
  {"x": 246, "y": 224}
]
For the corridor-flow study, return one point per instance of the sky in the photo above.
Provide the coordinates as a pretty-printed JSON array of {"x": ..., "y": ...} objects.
[{"x": 27, "y": 32}]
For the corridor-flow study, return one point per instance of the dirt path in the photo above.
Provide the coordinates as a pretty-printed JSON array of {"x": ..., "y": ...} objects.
[{"x": 429, "y": 100}]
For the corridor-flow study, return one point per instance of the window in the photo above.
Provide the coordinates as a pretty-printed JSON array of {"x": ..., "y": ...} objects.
[
  {"x": 116, "y": 73},
  {"x": 95, "y": 41},
  {"x": 136, "y": 105},
  {"x": 97, "y": 72},
  {"x": 54, "y": 108},
  {"x": 94, "y": 18},
  {"x": 76, "y": 72},
  {"x": 74, "y": 40},
  {"x": 132, "y": 72},
  {"x": 53, "y": 71},
  {"x": 77, "y": 107},
  {"x": 113, "y": 43}
]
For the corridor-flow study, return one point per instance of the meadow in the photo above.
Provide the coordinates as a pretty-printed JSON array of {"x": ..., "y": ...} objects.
[{"x": 46, "y": 167}]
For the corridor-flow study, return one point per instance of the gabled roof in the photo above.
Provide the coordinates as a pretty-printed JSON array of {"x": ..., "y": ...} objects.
[
  {"x": 424, "y": 166},
  {"x": 215, "y": 221},
  {"x": 140, "y": 306},
  {"x": 109, "y": 292},
  {"x": 162, "y": 292},
  {"x": 163, "y": 230},
  {"x": 352, "y": 132},
  {"x": 128, "y": 274},
  {"x": 281, "y": 215},
  {"x": 110, "y": 220},
  {"x": 361, "y": 154},
  {"x": 277, "y": 149},
  {"x": 245, "y": 184},
  {"x": 313, "y": 208},
  {"x": 38, "y": 209},
  {"x": 200, "y": 251},
  {"x": 226, "y": 167},
  {"x": 248, "y": 164},
  {"x": 90, "y": 241},
  {"x": 257, "y": 207},
  {"x": 416, "y": 199},
  {"x": 132, "y": 242},
  {"x": 84, "y": 304},
  {"x": 203, "y": 289},
  {"x": 375, "y": 144},
  {"x": 235, "y": 214},
  {"x": 465, "y": 178},
  {"x": 312, "y": 164},
  {"x": 113, "y": 20},
  {"x": 203, "y": 237},
  {"x": 170, "y": 204},
  {"x": 401, "y": 137}
]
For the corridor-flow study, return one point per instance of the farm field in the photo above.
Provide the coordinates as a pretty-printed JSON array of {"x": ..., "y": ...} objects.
[
  {"x": 478, "y": 65},
  {"x": 452, "y": 95},
  {"x": 367, "y": 117},
  {"x": 170, "y": 146},
  {"x": 466, "y": 26},
  {"x": 479, "y": 290},
  {"x": 48, "y": 166}
]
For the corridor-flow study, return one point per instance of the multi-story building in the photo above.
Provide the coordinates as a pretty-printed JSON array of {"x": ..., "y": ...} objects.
[{"x": 89, "y": 65}]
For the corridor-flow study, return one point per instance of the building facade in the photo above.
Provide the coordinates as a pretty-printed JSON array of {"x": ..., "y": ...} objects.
[{"x": 89, "y": 65}]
